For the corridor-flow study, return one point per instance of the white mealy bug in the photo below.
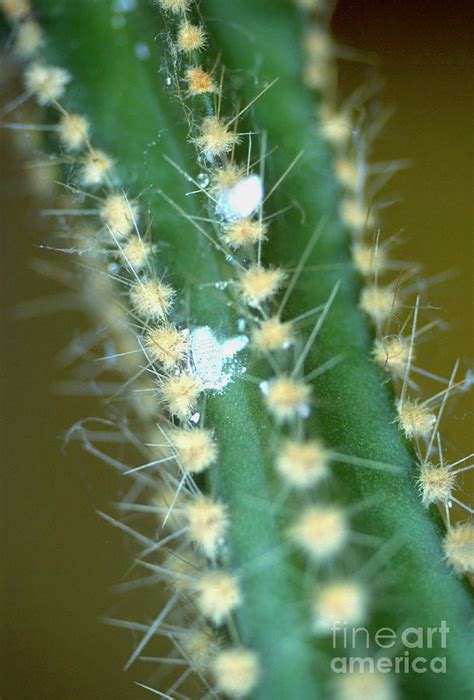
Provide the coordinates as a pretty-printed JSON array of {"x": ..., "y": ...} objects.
[
  {"x": 241, "y": 199},
  {"x": 210, "y": 360}
]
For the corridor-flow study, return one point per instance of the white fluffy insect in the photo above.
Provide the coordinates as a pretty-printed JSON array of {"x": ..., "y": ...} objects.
[
  {"x": 241, "y": 200},
  {"x": 208, "y": 357}
]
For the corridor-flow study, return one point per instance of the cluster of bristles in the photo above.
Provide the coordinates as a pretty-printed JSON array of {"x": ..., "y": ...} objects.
[
  {"x": 192, "y": 569},
  {"x": 196, "y": 568},
  {"x": 164, "y": 345},
  {"x": 320, "y": 531},
  {"x": 393, "y": 352}
]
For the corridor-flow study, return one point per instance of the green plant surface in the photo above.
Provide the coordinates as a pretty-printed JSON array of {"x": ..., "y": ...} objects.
[{"x": 136, "y": 117}]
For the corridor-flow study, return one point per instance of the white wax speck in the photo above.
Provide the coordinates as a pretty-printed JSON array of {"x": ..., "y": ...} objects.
[
  {"x": 209, "y": 357},
  {"x": 241, "y": 200}
]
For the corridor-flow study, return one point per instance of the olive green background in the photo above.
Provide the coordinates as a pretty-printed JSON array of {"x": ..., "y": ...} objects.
[{"x": 60, "y": 559}]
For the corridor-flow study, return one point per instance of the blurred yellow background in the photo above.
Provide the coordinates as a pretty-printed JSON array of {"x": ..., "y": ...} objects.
[{"x": 61, "y": 559}]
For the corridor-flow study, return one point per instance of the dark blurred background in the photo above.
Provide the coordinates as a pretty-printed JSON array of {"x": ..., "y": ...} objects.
[{"x": 61, "y": 559}]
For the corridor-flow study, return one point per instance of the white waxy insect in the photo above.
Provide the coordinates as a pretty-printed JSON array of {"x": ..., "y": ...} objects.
[
  {"x": 241, "y": 200},
  {"x": 208, "y": 357}
]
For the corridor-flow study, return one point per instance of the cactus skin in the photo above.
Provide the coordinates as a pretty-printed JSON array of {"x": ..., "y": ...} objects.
[{"x": 130, "y": 109}]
